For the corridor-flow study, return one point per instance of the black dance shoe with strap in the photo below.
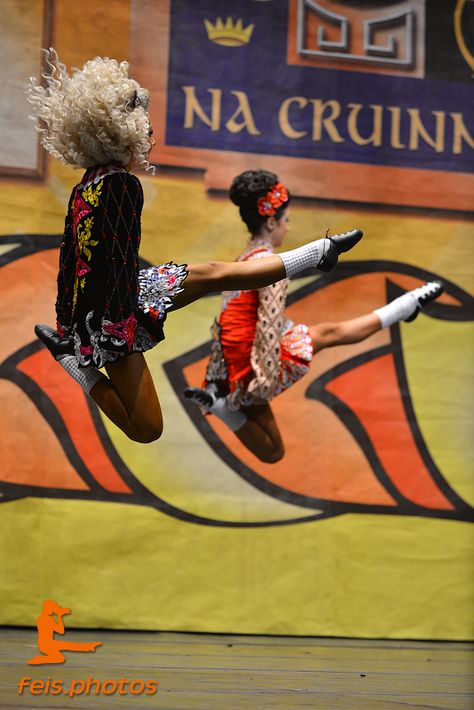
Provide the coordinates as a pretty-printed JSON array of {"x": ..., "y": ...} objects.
[
  {"x": 425, "y": 294},
  {"x": 339, "y": 243},
  {"x": 200, "y": 396},
  {"x": 57, "y": 346}
]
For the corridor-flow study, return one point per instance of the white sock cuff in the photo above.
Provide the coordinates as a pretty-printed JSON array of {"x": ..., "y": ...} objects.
[
  {"x": 397, "y": 310},
  {"x": 384, "y": 317},
  {"x": 308, "y": 255},
  {"x": 234, "y": 419}
]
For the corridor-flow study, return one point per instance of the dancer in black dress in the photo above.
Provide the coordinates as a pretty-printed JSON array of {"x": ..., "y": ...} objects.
[{"x": 108, "y": 311}]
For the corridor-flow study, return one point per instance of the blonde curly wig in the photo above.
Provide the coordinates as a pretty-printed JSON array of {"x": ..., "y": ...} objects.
[{"x": 95, "y": 116}]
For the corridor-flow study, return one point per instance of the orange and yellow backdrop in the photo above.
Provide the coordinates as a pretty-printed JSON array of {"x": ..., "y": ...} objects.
[{"x": 365, "y": 527}]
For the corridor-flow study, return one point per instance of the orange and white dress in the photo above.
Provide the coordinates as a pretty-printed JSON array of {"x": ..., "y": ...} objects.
[{"x": 256, "y": 352}]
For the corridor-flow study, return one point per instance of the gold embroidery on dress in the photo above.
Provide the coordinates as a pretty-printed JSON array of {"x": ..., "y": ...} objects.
[
  {"x": 84, "y": 234},
  {"x": 74, "y": 298},
  {"x": 91, "y": 194},
  {"x": 84, "y": 240}
]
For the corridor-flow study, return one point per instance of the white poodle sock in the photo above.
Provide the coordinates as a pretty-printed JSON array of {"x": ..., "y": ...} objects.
[
  {"x": 208, "y": 400},
  {"x": 86, "y": 377},
  {"x": 406, "y": 307}
]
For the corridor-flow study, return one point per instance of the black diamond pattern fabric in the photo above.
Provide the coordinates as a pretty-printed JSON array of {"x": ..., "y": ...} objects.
[{"x": 98, "y": 286}]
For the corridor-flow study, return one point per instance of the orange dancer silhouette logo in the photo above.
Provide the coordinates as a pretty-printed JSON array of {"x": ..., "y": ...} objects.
[{"x": 49, "y": 622}]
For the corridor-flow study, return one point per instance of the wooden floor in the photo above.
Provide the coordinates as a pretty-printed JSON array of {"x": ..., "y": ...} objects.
[{"x": 211, "y": 672}]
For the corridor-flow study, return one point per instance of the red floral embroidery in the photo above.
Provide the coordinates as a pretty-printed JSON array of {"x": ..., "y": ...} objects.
[
  {"x": 81, "y": 268},
  {"x": 125, "y": 330},
  {"x": 154, "y": 314},
  {"x": 79, "y": 210}
]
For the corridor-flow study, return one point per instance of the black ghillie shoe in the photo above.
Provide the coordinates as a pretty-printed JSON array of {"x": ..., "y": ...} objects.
[
  {"x": 425, "y": 294},
  {"x": 200, "y": 396},
  {"x": 57, "y": 346},
  {"x": 339, "y": 244}
]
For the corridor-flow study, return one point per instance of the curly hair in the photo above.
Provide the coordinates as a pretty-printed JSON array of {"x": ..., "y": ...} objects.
[
  {"x": 246, "y": 190},
  {"x": 95, "y": 116}
]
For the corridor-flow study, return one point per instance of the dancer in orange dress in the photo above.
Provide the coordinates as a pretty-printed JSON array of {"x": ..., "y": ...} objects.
[{"x": 256, "y": 352}]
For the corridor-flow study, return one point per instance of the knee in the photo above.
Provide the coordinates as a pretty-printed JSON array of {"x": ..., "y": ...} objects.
[
  {"x": 325, "y": 334},
  {"x": 145, "y": 434},
  {"x": 272, "y": 456},
  {"x": 330, "y": 331}
]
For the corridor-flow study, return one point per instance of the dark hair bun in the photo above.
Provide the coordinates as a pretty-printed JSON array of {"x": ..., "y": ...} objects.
[
  {"x": 245, "y": 192},
  {"x": 250, "y": 185}
]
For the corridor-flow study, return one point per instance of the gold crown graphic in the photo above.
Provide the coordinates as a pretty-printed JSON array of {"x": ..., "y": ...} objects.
[{"x": 228, "y": 34}]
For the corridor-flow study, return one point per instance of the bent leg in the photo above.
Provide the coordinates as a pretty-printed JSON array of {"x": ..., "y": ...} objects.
[
  {"x": 260, "y": 434},
  {"x": 326, "y": 335},
  {"x": 129, "y": 398}
]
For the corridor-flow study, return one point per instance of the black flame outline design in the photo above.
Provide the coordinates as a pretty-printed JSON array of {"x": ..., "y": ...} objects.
[{"x": 140, "y": 495}]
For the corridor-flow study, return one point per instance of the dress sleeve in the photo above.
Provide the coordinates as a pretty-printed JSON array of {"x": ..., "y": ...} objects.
[
  {"x": 122, "y": 206},
  {"x": 123, "y": 323},
  {"x": 265, "y": 354}
]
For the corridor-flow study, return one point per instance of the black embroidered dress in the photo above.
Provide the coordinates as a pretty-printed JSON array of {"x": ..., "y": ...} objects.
[{"x": 104, "y": 301}]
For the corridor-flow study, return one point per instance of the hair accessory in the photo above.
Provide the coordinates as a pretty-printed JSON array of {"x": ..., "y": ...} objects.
[
  {"x": 268, "y": 205},
  {"x": 139, "y": 98}
]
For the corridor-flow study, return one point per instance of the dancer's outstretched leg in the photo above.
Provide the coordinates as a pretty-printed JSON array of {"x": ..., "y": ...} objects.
[
  {"x": 216, "y": 276},
  {"x": 405, "y": 307}
]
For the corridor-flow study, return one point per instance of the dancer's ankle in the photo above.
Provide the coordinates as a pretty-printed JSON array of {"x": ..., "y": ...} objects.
[
  {"x": 86, "y": 377},
  {"x": 321, "y": 253},
  {"x": 209, "y": 401},
  {"x": 407, "y": 306}
]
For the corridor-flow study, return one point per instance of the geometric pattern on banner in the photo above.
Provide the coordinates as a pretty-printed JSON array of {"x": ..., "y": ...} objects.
[{"x": 340, "y": 84}]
